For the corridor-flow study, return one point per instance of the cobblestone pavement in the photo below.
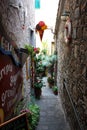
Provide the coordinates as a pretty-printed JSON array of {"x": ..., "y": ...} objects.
[{"x": 51, "y": 112}]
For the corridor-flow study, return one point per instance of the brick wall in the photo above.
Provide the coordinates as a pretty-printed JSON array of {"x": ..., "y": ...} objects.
[{"x": 72, "y": 64}]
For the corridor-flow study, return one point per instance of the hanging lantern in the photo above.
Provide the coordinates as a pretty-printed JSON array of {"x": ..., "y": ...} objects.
[
  {"x": 41, "y": 23},
  {"x": 40, "y": 27},
  {"x": 41, "y": 32}
]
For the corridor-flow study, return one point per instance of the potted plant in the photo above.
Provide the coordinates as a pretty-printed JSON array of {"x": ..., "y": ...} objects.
[
  {"x": 37, "y": 88},
  {"x": 34, "y": 117},
  {"x": 30, "y": 49},
  {"x": 55, "y": 90},
  {"x": 50, "y": 81},
  {"x": 33, "y": 114},
  {"x": 40, "y": 70},
  {"x": 37, "y": 50},
  {"x": 52, "y": 61}
]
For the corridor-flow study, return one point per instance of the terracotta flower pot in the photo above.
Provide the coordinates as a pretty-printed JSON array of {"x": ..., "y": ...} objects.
[
  {"x": 55, "y": 92},
  {"x": 38, "y": 92}
]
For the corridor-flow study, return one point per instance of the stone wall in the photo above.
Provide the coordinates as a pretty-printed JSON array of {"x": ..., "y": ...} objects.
[
  {"x": 18, "y": 18},
  {"x": 72, "y": 65},
  {"x": 16, "y": 13}
]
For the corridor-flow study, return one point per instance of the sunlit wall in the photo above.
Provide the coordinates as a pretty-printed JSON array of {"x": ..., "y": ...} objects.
[{"x": 46, "y": 11}]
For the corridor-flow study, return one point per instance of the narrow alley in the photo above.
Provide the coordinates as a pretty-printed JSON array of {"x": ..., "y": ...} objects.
[
  {"x": 43, "y": 57},
  {"x": 52, "y": 116}
]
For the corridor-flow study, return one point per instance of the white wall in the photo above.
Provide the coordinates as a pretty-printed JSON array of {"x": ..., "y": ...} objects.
[{"x": 46, "y": 13}]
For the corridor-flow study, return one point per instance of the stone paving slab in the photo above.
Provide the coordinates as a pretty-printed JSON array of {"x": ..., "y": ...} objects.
[{"x": 52, "y": 116}]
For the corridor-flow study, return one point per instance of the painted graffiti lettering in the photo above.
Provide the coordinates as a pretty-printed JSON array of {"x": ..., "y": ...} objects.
[
  {"x": 10, "y": 104},
  {"x": 2, "y": 72},
  {"x": 13, "y": 79},
  {"x": 7, "y": 94},
  {"x": 8, "y": 69},
  {"x": 9, "y": 46},
  {"x": 5, "y": 70},
  {"x": 4, "y": 43}
]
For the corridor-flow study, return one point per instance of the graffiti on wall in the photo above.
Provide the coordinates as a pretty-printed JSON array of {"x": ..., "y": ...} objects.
[
  {"x": 10, "y": 86},
  {"x": 11, "y": 79},
  {"x": 9, "y": 49}
]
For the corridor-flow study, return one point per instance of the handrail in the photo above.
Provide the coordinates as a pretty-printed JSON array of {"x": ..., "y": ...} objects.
[{"x": 73, "y": 106}]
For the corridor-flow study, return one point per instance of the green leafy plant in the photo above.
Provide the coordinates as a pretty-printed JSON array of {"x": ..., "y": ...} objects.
[
  {"x": 37, "y": 88},
  {"x": 44, "y": 51},
  {"x": 53, "y": 58},
  {"x": 30, "y": 49},
  {"x": 50, "y": 80},
  {"x": 40, "y": 68},
  {"x": 38, "y": 84},
  {"x": 34, "y": 117},
  {"x": 33, "y": 113},
  {"x": 55, "y": 90}
]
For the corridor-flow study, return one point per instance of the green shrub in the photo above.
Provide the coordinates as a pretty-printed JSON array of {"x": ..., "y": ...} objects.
[
  {"x": 50, "y": 80},
  {"x": 55, "y": 88},
  {"x": 30, "y": 49},
  {"x": 38, "y": 84},
  {"x": 34, "y": 117}
]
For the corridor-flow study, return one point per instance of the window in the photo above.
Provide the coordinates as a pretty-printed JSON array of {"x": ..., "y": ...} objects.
[{"x": 37, "y": 4}]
